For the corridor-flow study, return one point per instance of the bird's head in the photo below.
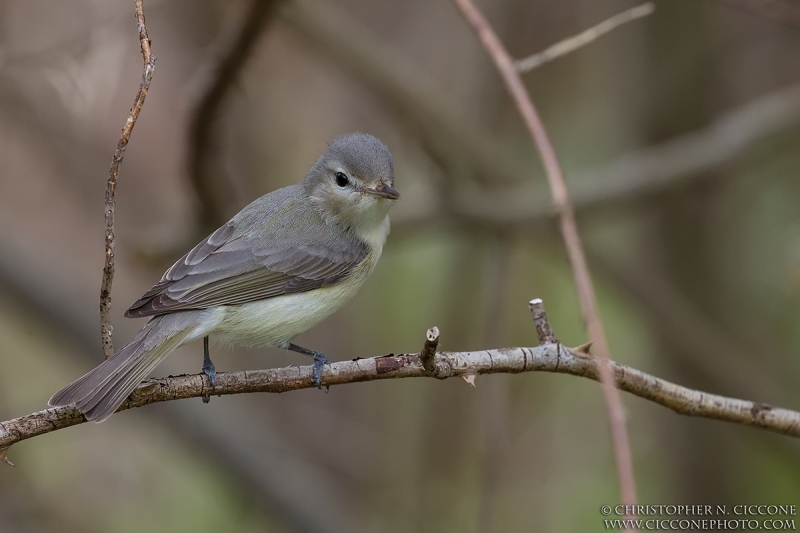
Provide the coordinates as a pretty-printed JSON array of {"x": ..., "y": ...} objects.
[{"x": 353, "y": 182}]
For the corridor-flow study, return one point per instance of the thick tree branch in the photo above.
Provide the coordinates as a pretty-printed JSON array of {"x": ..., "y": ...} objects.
[
  {"x": 111, "y": 186},
  {"x": 550, "y": 357},
  {"x": 569, "y": 232}
]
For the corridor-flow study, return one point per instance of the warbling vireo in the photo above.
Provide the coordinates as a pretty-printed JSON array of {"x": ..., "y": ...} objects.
[{"x": 279, "y": 267}]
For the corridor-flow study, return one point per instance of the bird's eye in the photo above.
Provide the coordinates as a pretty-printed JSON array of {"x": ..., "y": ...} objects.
[{"x": 341, "y": 179}]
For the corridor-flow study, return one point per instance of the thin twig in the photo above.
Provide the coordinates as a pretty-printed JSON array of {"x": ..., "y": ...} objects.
[
  {"x": 543, "y": 330},
  {"x": 111, "y": 186},
  {"x": 413, "y": 95},
  {"x": 428, "y": 353},
  {"x": 551, "y": 357},
  {"x": 569, "y": 231},
  {"x": 205, "y": 171},
  {"x": 571, "y": 44}
]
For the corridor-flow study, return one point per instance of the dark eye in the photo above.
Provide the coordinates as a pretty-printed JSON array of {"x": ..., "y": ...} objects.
[{"x": 341, "y": 179}]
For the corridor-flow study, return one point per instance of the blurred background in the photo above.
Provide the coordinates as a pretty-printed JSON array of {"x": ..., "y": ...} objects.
[{"x": 679, "y": 135}]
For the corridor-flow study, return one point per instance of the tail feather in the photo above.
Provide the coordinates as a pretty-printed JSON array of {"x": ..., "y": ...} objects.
[
  {"x": 101, "y": 391},
  {"x": 100, "y": 375}
]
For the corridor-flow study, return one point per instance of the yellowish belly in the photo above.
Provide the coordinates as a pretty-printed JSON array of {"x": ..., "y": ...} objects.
[{"x": 275, "y": 321}]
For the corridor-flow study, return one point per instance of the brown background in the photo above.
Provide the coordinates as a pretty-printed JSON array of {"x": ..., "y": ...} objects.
[{"x": 678, "y": 133}]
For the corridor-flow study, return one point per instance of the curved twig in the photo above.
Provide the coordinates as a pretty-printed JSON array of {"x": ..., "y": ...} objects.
[
  {"x": 111, "y": 186},
  {"x": 572, "y": 241}
]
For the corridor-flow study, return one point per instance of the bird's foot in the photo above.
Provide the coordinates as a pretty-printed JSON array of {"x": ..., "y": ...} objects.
[
  {"x": 319, "y": 363},
  {"x": 209, "y": 370}
]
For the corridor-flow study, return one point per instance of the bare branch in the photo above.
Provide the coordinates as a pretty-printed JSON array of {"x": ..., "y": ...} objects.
[
  {"x": 111, "y": 186},
  {"x": 550, "y": 357},
  {"x": 701, "y": 339},
  {"x": 59, "y": 300},
  {"x": 582, "y": 39},
  {"x": 572, "y": 241}
]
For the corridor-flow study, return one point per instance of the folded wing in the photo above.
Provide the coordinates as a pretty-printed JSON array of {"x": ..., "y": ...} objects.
[{"x": 231, "y": 267}]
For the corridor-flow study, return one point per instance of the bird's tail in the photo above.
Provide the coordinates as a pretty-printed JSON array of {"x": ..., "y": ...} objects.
[{"x": 99, "y": 393}]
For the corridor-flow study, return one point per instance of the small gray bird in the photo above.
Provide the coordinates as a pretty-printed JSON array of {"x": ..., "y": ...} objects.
[{"x": 279, "y": 267}]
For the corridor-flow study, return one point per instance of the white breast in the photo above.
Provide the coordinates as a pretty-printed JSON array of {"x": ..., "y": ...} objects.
[{"x": 276, "y": 321}]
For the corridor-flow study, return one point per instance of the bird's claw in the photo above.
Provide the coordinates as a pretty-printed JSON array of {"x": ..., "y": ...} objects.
[
  {"x": 319, "y": 363},
  {"x": 211, "y": 372}
]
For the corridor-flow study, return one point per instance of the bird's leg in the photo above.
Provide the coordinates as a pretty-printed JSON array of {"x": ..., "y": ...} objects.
[
  {"x": 208, "y": 370},
  {"x": 319, "y": 362}
]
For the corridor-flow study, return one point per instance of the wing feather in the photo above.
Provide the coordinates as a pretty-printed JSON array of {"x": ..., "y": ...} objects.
[{"x": 233, "y": 267}]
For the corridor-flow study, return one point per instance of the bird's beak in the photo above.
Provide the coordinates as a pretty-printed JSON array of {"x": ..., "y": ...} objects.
[{"x": 384, "y": 190}]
